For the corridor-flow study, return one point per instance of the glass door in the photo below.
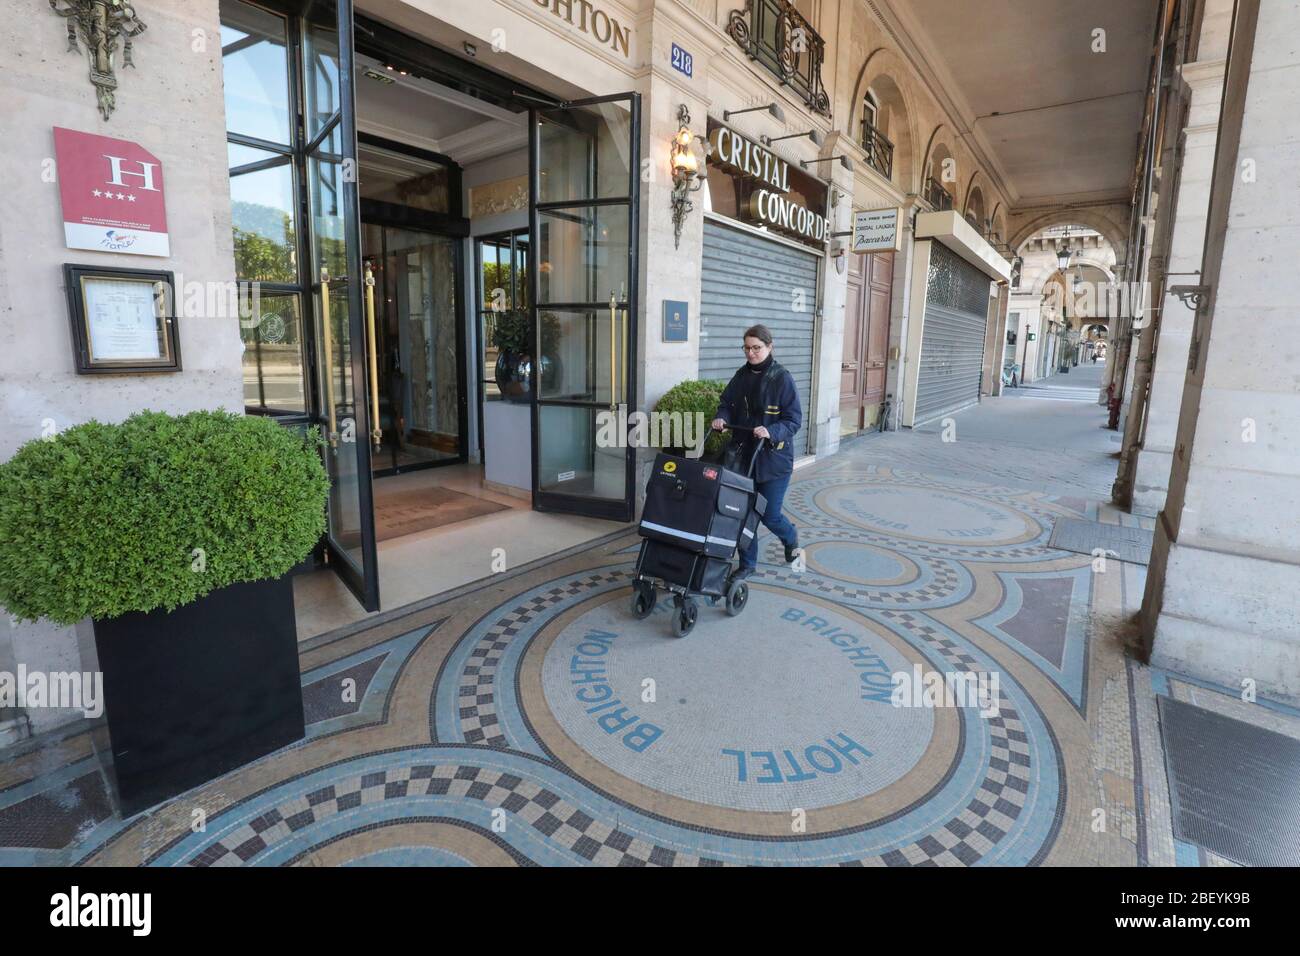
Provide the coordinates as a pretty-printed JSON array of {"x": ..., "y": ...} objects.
[
  {"x": 584, "y": 199},
  {"x": 340, "y": 293}
]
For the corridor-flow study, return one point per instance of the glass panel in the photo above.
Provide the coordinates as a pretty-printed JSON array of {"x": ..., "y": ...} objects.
[
  {"x": 583, "y": 254},
  {"x": 577, "y": 355},
  {"x": 585, "y": 153},
  {"x": 265, "y": 232},
  {"x": 570, "y": 459},
  {"x": 325, "y": 182},
  {"x": 255, "y": 71},
  {"x": 341, "y": 395},
  {"x": 273, "y": 379},
  {"x": 320, "y": 68},
  {"x": 519, "y": 271},
  {"x": 393, "y": 177},
  {"x": 495, "y": 280},
  {"x": 419, "y": 381}
]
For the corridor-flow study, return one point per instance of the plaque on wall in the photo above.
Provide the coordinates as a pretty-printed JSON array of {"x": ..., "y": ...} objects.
[{"x": 121, "y": 320}]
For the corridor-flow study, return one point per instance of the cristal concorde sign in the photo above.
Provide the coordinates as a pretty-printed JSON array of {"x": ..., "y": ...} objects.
[{"x": 771, "y": 203}]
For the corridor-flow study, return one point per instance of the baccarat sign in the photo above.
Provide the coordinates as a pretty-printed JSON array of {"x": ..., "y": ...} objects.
[{"x": 112, "y": 194}]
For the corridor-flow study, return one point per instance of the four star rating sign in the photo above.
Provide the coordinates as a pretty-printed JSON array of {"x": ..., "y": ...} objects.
[{"x": 112, "y": 194}]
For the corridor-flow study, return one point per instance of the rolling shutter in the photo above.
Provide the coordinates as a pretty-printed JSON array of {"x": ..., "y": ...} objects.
[
  {"x": 952, "y": 339},
  {"x": 746, "y": 280}
]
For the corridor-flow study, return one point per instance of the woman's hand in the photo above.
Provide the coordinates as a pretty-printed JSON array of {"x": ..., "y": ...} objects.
[
  {"x": 718, "y": 424},
  {"x": 761, "y": 432}
]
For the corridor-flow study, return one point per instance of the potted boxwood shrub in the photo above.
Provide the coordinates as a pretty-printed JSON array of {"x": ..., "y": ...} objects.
[
  {"x": 175, "y": 535},
  {"x": 695, "y": 397}
]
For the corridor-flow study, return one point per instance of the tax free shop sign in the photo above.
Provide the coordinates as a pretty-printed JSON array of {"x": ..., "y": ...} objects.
[{"x": 764, "y": 190}]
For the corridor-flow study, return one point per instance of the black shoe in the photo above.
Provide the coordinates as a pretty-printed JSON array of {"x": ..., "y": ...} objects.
[
  {"x": 792, "y": 551},
  {"x": 741, "y": 573}
]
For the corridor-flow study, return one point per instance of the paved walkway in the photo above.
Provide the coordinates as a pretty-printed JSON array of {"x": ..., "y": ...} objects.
[{"x": 532, "y": 720}]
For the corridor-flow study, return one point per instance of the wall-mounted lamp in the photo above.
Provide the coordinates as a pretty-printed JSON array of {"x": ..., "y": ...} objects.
[
  {"x": 812, "y": 134},
  {"x": 844, "y": 161},
  {"x": 685, "y": 172},
  {"x": 774, "y": 109}
]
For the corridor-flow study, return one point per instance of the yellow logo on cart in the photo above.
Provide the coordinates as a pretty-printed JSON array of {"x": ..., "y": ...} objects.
[{"x": 670, "y": 466}]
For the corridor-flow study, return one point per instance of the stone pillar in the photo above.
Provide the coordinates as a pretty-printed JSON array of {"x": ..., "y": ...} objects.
[
  {"x": 1223, "y": 589},
  {"x": 897, "y": 370},
  {"x": 1204, "y": 82},
  {"x": 995, "y": 337}
]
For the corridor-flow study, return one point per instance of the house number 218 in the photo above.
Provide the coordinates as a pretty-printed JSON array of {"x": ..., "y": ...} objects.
[{"x": 683, "y": 61}]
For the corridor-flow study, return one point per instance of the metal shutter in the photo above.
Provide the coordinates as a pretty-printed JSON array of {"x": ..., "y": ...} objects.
[
  {"x": 745, "y": 280},
  {"x": 952, "y": 340}
]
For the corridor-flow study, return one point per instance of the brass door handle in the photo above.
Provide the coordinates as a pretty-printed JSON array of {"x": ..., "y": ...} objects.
[
  {"x": 376, "y": 433},
  {"x": 613, "y": 352},
  {"x": 327, "y": 345}
]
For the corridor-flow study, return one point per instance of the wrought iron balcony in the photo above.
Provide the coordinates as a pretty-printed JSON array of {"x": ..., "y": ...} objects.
[
  {"x": 880, "y": 151},
  {"x": 937, "y": 196},
  {"x": 778, "y": 36}
]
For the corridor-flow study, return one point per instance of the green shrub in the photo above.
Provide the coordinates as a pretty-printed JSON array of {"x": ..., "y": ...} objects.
[
  {"x": 101, "y": 520},
  {"x": 694, "y": 396}
]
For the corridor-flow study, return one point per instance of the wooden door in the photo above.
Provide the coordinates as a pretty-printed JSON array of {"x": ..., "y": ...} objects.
[
  {"x": 851, "y": 371},
  {"x": 880, "y": 275}
]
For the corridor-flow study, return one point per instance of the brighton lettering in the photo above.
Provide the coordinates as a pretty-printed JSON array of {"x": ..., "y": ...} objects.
[
  {"x": 589, "y": 18},
  {"x": 587, "y": 674}
]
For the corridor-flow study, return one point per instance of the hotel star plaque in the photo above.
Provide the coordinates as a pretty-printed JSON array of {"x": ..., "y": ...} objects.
[{"x": 121, "y": 320}]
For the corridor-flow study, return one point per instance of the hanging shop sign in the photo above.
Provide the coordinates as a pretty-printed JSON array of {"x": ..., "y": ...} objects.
[
  {"x": 112, "y": 194},
  {"x": 876, "y": 230},
  {"x": 750, "y": 183}
]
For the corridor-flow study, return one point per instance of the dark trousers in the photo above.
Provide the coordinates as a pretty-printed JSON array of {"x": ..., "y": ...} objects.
[{"x": 776, "y": 522}]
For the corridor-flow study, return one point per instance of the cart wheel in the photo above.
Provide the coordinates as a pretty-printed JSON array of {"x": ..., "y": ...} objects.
[
  {"x": 643, "y": 599},
  {"x": 684, "y": 619},
  {"x": 737, "y": 597}
]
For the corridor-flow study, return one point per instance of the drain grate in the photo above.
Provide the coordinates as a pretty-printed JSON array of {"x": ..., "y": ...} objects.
[
  {"x": 1234, "y": 787},
  {"x": 1085, "y": 537}
]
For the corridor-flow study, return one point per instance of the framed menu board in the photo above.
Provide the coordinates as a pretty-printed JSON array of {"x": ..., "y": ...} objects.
[{"x": 121, "y": 320}]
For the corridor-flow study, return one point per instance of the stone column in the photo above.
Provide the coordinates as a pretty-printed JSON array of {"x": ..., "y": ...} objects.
[
  {"x": 900, "y": 303},
  {"x": 1204, "y": 82},
  {"x": 1223, "y": 590}
]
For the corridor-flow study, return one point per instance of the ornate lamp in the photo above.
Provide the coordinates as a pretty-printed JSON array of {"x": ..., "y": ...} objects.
[{"x": 685, "y": 172}]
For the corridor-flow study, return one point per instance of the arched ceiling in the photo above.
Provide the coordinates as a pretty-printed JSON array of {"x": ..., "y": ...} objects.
[{"x": 1054, "y": 120}]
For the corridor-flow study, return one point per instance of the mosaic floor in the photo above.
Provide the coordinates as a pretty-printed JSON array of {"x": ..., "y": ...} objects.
[{"x": 533, "y": 720}]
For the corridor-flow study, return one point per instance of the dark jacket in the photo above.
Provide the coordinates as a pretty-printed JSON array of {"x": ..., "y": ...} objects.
[{"x": 778, "y": 411}]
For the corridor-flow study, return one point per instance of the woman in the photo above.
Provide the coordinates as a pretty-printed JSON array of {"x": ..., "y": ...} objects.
[{"x": 761, "y": 395}]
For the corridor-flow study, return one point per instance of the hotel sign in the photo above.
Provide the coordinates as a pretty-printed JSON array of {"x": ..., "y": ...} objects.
[
  {"x": 590, "y": 18},
  {"x": 751, "y": 183},
  {"x": 112, "y": 194}
]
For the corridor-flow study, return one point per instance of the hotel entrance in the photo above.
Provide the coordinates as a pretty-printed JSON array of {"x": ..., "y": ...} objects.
[{"x": 375, "y": 181}]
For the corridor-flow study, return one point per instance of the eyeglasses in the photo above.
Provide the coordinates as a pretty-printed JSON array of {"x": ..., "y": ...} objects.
[{"x": 752, "y": 348}]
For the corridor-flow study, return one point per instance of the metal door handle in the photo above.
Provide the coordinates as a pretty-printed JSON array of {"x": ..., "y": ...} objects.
[
  {"x": 848, "y": 366},
  {"x": 613, "y": 352},
  {"x": 327, "y": 343},
  {"x": 376, "y": 433}
]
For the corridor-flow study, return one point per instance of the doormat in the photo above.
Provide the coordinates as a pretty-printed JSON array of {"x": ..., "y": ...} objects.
[
  {"x": 407, "y": 512},
  {"x": 1232, "y": 785},
  {"x": 1117, "y": 541}
]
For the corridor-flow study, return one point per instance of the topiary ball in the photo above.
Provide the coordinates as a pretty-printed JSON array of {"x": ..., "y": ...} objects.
[{"x": 155, "y": 512}]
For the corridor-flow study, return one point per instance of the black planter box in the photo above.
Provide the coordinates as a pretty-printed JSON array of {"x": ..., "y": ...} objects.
[{"x": 194, "y": 693}]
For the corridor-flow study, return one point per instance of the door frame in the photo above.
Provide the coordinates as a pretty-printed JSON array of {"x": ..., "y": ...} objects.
[
  {"x": 451, "y": 225},
  {"x": 550, "y": 501}
]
